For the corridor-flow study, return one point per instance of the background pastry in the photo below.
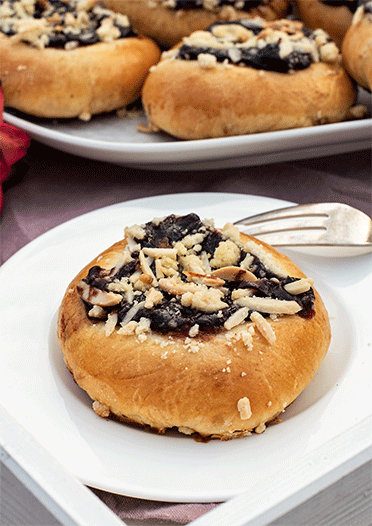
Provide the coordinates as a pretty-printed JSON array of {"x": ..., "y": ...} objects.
[
  {"x": 69, "y": 59},
  {"x": 248, "y": 76},
  {"x": 168, "y": 21},
  {"x": 357, "y": 47},
  {"x": 334, "y": 16}
]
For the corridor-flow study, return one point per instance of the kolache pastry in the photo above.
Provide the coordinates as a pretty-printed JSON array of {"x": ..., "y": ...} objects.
[
  {"x": 168, "y": 21},
  {"x": 70, "y": 58},
  {"x": 357, "y": 47},
  {"x": 334, "y": 16},
  {"x": 248, "y": 76},
  {"x": 183, "y": 325}
]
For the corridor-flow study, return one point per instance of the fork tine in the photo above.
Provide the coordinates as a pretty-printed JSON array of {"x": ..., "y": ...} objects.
[
  {"x": 293, "y": 238},
  {"x": 317, "y": 209},
  {"x": 281, "y": 225},
  {"x": 313, "y": 224}
]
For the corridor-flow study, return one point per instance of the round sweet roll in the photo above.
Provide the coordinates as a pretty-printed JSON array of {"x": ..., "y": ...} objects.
[
  {"x": 334, "y": 16},
  {"x": 248, "y": 76},
  {"x": 182, "y": 325},
  {"x": 70, "y": 59},
  {"x": 168, "y": 21},
  {"x": 357, "y": 47}
]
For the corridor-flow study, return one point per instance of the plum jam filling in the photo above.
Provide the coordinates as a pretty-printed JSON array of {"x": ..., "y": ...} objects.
[
  {"x": 244, "y": 5},
  {"x": 181, "y": 274},
  {"x": 282, "y": 46},
  {"x": 352, "y": 5},
  {"x": 367, "y": 6},
  {"x": 61, "y": 24}
]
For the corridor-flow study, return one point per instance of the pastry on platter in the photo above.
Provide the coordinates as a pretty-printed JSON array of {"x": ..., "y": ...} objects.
[
  {"x": 334, "y": 16},
  {"x": 357, "y": 47},
  {"x": 168, "y": 21},
  {"x": 70, "y": 59},
  {"x": 182, "y": 325},
  {"x": 248, "y": 76}
]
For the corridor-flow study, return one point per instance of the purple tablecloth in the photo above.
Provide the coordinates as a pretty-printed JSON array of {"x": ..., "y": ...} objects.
[{"x": 49, "y": 187}]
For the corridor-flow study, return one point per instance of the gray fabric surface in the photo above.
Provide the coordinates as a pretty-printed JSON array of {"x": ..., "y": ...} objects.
[{"x": 49, "y": 187}]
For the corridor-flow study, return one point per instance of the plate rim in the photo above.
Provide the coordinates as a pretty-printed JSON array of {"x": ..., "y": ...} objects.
[{"x": 215, "y": 143}]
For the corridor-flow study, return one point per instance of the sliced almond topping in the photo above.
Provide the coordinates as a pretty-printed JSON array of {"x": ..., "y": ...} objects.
[
  {"x": 236, "y": 319},
  {"x": 241, "y": 293},
  {"x": 247, "y": 261},
  {"x": 234, "y": 274},
  {"x": 204, "y": 279},
  {"x": 111, "y": 322},
  {"x": 123, "y": 260},
  {"x": 146, "y": 267},
  {"x": 169, "y": 272},
  {"x": 266, "y": 259},
  {"x": 299, "y": 286},
  {"x": 159, "y": 269},
  {"x": 205, "y": 262},
  {"x": 244, "y": 408},
  {"x": 96, "y": 296},
  {"x": 269, "y": 305},
  {"x": 263, "y": 327},
  {"x": 160, "y": 252},
  {"x": 132, "y": 312}
]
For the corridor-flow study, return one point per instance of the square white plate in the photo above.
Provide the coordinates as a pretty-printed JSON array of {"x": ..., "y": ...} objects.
[{"x": 38, "y": 391}]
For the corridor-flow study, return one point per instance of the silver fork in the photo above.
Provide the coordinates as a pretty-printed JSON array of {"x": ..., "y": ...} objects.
[{"x": 333, "y": 225}]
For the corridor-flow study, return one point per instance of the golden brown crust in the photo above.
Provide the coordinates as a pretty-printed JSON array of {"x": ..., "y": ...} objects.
[
  {"x": 159, "y": 383},
  {"x": 335, "y": 20},
  {"x": 191, "y": 102},
  {"x": 168, "y": 26},
  {"x": 83, "y": 81},
  {"x": 357, "y": 50}
]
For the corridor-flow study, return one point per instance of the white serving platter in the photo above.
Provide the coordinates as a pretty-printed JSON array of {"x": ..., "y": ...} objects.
[
  {"x": 116, "y": 140},
  {"x": 39, "y": 393}
]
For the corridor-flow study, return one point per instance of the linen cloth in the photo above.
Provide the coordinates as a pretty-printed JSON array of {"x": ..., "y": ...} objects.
[{"x": 49, "y": 187}]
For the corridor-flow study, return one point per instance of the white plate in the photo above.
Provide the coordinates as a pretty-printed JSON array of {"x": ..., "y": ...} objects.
[
  {"x": 38, "y": 391},
  {"x": 116, "y": 140}
]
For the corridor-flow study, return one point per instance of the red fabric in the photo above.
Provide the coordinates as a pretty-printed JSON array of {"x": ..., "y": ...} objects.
[{"x": 13, "y": 146}]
